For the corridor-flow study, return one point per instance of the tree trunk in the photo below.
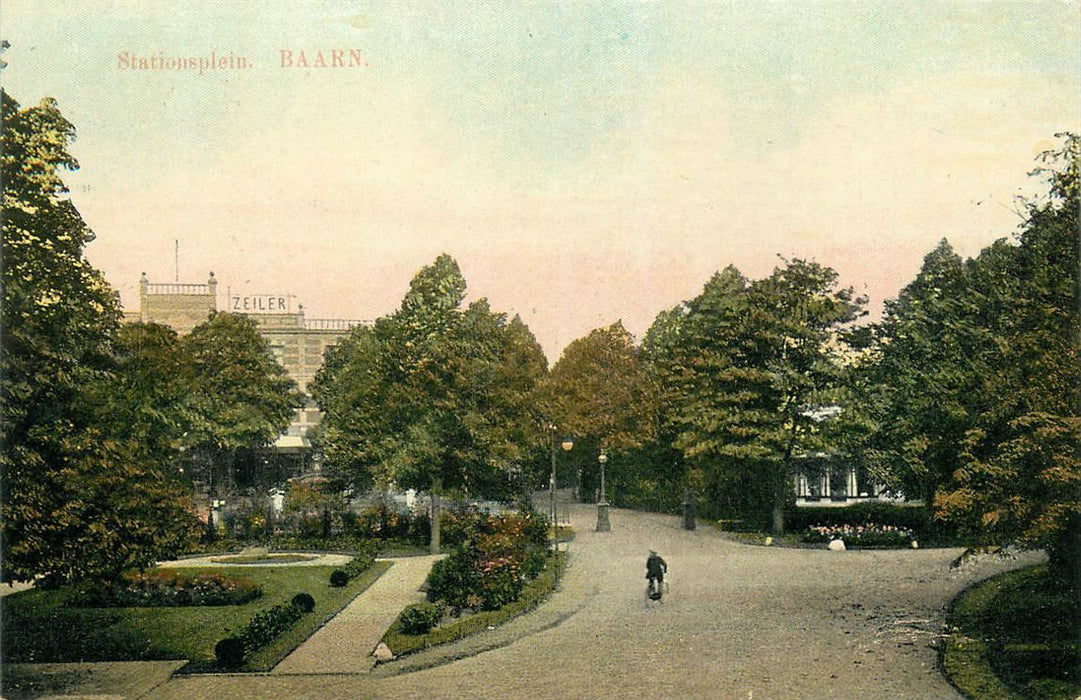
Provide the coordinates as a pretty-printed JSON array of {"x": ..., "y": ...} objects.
[
  {"x": 437, "y": 486},
  {"x": 778, "y": 504},
  {"x": 780, "y": 491}
]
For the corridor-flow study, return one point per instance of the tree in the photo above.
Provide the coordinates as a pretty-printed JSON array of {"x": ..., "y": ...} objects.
[
  {"x": 923, "y": 377},
  {"x": 81, "y": 496},
  {"x": 432, "y": 396},
  {"x": 995, "y": 344},
  {"x": 1019, "y": 474},
  {"x": 745, "y": 364},
  {"x": 601, "y": 392},
  {"x": 239, "y": 396}
]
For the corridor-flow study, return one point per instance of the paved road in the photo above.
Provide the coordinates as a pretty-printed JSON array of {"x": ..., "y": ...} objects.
[{"x": 740, "y": 622}]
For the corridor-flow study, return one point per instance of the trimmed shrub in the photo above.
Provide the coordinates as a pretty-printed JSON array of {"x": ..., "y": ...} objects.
[
  {"x": 268, "y": 624},
  {"x": 304, "y": 601},
  {"x": 357, "y": 566},
  {"x": 420, "y": 618},
  {"x": 229, "y": 652}
]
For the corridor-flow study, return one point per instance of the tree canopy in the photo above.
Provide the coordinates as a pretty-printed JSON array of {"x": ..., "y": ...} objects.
[
  {"x": 83, "y": 497},
  {"x": 743, "y": 365},
  {"x": 433, "y": 396},
  {"x": 977, "y": 382}
]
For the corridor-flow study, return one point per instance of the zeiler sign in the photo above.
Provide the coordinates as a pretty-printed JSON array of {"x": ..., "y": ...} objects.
[{"x": 262, "y": 304}]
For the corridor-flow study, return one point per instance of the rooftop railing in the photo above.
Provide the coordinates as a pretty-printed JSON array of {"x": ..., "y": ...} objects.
[
  {"x": 176, "y": 288},
  {"x": 332, "y": 324}
]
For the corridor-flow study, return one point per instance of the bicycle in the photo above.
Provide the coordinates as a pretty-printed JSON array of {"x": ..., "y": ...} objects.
[{"x": 655, "y": 591}]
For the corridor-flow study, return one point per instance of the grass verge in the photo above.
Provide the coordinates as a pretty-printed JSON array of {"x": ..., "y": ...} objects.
[
  {"x": 1015, "y": 636},
  {"x": 533, "y": 593},
  {"x": 49, "y": 626}
]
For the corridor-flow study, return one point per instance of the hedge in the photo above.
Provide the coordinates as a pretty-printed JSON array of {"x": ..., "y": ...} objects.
[
  {"x": 357, "y": 566},
  {"x": 263, "y": 628}
]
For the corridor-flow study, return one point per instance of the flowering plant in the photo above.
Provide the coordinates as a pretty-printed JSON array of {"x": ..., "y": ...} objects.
[{"x": 867, "y": 535}]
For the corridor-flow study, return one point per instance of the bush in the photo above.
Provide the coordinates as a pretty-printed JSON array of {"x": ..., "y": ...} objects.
[
  {"x": 268, "y": 624},
  {"x": 489, "y": 569},
  {"x": 170, "y": 588},
  {"x": 535, "y": 591},
  {"x": 420, "y": 618},
  {"x": 357, "y": 566},
  {"x": 229, "y": 652},
  {"x": 451, "y": 579},
  {"x": 304, "y": 601}
]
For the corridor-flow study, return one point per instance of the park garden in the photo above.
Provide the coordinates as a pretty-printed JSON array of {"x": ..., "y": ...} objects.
[{"x": 963, "y": 398}]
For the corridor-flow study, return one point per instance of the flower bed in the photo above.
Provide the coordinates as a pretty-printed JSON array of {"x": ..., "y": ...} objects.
[
  {"x": 499, "y": 555},
  {"x": 449, "y": 628},
  {"x": 169, "y": 588},
  {"x": 869, "y": 535}
]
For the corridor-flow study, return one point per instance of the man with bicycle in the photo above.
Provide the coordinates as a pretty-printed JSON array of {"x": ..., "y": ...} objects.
[{"x": 656, "y": 568}]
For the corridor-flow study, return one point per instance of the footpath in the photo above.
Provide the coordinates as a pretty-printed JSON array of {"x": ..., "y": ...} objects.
[{"x": 346, "y": 643}]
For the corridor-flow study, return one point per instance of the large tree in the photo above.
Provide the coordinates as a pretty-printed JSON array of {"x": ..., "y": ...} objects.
[
  {"x": 994, "y": 346},
  {"x": 433, "y": 396},
  {"x": 240, "y": 397},
  {"x": 82, "y": 497},
  {"x": 601, "y": 392},
  {"x": 922, "y": 378},
  {"x": 745, "y": 365}
]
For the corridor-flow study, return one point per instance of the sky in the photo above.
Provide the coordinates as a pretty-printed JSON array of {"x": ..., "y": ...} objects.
[{"x": 583, "y": 162}]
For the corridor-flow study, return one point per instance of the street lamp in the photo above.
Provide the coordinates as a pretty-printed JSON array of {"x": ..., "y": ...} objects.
[
  {"x": 567, "y": 444},
  {"x": 602, "y": 503}
]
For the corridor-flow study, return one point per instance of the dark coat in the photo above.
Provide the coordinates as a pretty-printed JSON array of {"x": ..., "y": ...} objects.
[{"x": 656, "y": 567}]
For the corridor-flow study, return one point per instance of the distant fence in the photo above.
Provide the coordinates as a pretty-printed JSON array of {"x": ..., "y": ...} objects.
[
  {"x": 332, "y": 324},
  {"x": 176, "y": 288}
]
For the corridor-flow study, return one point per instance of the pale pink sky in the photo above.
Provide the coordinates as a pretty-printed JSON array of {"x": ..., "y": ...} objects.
[{"x": 583, "y": 162}]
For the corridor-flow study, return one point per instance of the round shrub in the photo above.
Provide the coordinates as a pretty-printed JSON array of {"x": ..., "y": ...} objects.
[
  {"x": 229, "y": 652},
  {"x": 420, "y": 618},
  {"x": 338, "y": 578},
  {"x": 304, "y": 601}
]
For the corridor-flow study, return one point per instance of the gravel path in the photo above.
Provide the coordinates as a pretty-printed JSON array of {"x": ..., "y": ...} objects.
[{"x": 740, "y": 622}]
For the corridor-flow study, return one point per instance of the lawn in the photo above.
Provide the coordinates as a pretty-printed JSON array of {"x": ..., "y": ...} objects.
[
  {"x": 1016, "y": 636},
  {"x": 49, "y": 626}
]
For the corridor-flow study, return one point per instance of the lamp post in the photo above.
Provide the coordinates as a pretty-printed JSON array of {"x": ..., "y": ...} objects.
[
  {"x": 567, "y": 444},
  {"x": 602, "y": 503}
]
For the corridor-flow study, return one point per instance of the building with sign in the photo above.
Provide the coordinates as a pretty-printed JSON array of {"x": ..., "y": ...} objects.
[{"x": 298, "y": 342}]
